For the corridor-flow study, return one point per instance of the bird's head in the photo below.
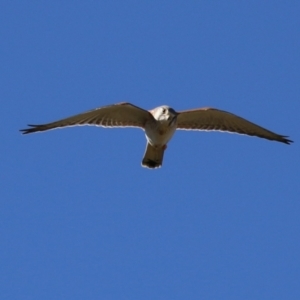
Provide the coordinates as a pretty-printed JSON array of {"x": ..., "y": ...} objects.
[{"x": 164, "y": 113}]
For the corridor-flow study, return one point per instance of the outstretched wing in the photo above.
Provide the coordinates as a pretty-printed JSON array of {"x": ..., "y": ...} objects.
[
  {"x": 117, "y": 115},
  {"x": 214, "y": 119}
]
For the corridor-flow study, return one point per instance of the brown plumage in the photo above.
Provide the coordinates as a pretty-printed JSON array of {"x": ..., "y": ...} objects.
[
  {"x": 160, "y": 124},
  {"x": 214, "y": 119}
]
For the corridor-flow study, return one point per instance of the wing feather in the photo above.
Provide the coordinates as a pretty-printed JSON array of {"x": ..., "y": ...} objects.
[
  {"x": 117, "y": 115},
  {"x": 214, "y": 119}
]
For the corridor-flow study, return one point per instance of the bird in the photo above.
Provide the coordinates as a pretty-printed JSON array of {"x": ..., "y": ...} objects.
[{"x": 160, "y": 125}]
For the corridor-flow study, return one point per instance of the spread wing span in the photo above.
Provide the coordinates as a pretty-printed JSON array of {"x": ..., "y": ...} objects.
[
  {"x": 117, "y": 115},
  {"x": 214, "y": 119}
]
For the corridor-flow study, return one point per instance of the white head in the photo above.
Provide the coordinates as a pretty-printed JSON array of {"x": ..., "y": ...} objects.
[{"x": 164, "y": 113}]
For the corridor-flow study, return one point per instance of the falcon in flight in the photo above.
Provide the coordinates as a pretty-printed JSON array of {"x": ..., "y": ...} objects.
[{"x": 160, "y": 124}]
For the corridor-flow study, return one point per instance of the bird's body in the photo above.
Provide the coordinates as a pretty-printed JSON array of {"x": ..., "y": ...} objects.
[
  {"x": 162, "y": 128},
  {"x": 158, "y": 133},
  {"x": 160, "y": 125}
]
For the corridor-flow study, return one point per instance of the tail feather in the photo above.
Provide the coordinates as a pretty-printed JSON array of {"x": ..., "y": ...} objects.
[{"x": 153, "y": 157}]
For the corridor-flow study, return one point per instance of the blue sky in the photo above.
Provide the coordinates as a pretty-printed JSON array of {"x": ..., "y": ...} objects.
[{"x": 81, "y": 219}]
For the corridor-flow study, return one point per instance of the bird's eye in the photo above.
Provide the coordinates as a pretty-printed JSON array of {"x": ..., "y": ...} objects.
[{"x": 164, "y": 111}]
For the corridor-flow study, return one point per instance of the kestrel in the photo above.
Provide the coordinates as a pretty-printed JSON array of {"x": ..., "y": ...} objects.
[{"x": 160, "y": 124}]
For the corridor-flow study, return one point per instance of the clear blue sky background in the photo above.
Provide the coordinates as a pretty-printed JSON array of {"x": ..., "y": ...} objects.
[{"x": 81, "y": 219}]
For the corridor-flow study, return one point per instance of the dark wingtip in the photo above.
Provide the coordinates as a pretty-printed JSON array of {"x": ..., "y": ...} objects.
[
  {"x": 286, "y": 140},
  {"x": 30, "y": 130}
]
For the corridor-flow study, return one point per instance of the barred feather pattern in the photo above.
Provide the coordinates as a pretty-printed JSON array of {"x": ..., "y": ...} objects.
[
  {"x": 117, "y": 115},
  {"x": 210, "y": 119}
]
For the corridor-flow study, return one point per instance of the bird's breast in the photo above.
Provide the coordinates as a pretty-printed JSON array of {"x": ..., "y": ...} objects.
[{"x": 159, "y": 133}]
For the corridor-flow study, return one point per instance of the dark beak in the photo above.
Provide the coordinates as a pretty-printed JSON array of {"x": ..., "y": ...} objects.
[{"x": 172, "y": 119}]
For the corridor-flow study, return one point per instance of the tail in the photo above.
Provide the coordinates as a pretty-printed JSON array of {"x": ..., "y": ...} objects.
[{"x": 153, "y": 157}]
